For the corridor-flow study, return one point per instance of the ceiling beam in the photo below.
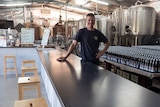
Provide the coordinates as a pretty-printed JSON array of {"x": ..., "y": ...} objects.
[
  {"x": 114, "y": 2},
  {"x": 67, "y": 1},
  {"x": 67, "y": 4}
]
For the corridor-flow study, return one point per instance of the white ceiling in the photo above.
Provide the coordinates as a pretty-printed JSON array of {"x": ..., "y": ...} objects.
[
  {"x": 89, "y": 5},
  {"x": 17, "y": 12}
]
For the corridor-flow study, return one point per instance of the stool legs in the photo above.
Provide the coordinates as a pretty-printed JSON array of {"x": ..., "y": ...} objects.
[
  {"x": 20, "y": 92},
  {"x": 23, "y": 74},
  {"x": 28, "y": 83},
  {"x": 22, "y": 88},
  {"x": 5, "y": 67},
  {"x": 10, "y": 69},
  {"x": 15, "y": 67},
  {"x": 38, "y": 90}
]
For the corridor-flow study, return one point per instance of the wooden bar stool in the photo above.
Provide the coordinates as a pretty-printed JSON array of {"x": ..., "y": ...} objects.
[
  {"x": 37, "y": 102},
  {"x": 28, "y": 83},
  {"x": 10, "y": 64},
  {"x": 29, "y": 66}
]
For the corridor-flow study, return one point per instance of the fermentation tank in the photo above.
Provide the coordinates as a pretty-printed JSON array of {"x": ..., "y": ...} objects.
[
  {"x": 142, "y": 20},
  {"x": 120, "y": 21},
  {"x": 81, "y": 23},
  {"x": 104, "y": 24}
]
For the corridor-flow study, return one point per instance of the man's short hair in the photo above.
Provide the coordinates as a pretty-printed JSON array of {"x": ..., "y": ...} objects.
[{"x": 90, "y": 14}]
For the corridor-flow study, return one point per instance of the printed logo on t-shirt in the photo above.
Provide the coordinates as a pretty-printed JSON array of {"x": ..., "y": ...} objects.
[{"x": 95, "y": 37}]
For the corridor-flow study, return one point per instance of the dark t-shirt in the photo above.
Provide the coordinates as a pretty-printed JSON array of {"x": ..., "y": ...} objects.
[{"x": 89, "y": 41}]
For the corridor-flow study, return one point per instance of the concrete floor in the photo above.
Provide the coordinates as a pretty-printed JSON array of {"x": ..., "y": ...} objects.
[{"x": 9, "y": 91}]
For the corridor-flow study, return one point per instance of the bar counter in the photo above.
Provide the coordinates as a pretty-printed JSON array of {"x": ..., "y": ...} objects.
[{"x": 88, "y": 85}]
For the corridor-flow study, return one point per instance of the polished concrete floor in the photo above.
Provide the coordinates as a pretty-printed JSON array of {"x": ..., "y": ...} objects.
[{"x": 9, "y": 91}]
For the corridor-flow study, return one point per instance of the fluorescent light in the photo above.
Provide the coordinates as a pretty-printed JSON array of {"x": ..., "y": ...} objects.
[
  {"x": 20, "y": 4},
  {"x": 80, "y": 2},
  {"x": 100, "y": 2},
  {"x": 78, "y": 9}
]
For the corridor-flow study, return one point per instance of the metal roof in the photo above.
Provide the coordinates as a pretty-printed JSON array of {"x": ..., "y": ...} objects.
[{"x": 90, "y": 5}]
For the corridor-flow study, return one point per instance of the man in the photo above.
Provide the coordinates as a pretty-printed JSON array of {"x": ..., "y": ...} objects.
[
  {"x": 89, "y": 39},
  {"x": 129, "y": 36}
]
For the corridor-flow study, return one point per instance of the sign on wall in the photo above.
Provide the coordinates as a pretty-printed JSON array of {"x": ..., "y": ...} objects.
[
  {"x": 45, "y": 37},
  {"x": 27, "y": 35}
]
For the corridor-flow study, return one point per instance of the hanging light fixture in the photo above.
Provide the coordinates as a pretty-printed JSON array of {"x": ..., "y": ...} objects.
[
  {"x": 100, "y": 2},
  {"x": 17, "y": 4},
  {"x": 81, "y": 2},
  {"x": 78, "y": 9}
]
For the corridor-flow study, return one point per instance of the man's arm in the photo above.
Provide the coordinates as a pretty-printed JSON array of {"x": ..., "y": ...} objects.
[
  {"x": 102, "y": 52},
  {"x": 71, "y": 48}
]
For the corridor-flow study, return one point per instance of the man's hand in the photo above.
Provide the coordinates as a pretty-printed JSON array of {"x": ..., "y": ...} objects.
[
  {"x": 61, "y": 59},
  {"x": 102, "y": 52},
  {"x": 99, "y": 54}
]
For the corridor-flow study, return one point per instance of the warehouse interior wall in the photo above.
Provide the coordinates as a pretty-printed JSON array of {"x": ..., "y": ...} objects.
[{"x": 38, "y": 15}]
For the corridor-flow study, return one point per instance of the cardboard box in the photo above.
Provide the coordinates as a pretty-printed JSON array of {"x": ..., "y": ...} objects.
[
  {"x": 119, "y": 72},
  {"x": 126, "y": 75},
  {"x": 134, "y": 78},
  {"x": 113, "y": 69}
]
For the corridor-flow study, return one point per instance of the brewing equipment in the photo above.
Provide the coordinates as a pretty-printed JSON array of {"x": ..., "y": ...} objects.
[
  {"x": 71, "y": 27},
  {"x": 120, "y": 21},
  {"x": 81, "y": 23},
  {"x": 134, "y": 23},
  {"x": 104, "y": 24},
  {"x": 142, "y": 21}
]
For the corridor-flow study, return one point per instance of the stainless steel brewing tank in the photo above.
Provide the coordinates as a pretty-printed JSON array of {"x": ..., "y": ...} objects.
[
  {"x": 142, "y": 20},
  {"x": 104, "y": 24},
  {"x": 120, "y": 20},
  {"x": 81, "y": 23}
]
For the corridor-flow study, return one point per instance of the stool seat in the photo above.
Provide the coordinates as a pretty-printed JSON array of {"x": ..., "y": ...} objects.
[
  {"x": 29, "y": 67},
  {"x": 24, "y": 82},
  {"x": 10, "y": 59},
  {"x": 37, "y": 102},
  {"x": 29, "y": 61}
]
